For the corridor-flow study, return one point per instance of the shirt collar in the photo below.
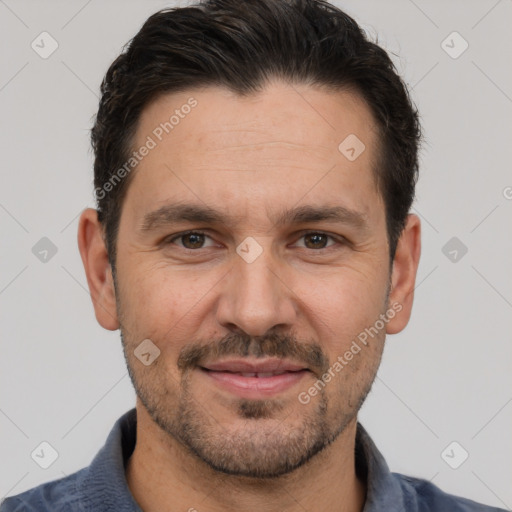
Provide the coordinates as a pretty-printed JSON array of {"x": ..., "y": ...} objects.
[
  {"x": 103, "y": 487},
  {"x": 384, "y": 491}
]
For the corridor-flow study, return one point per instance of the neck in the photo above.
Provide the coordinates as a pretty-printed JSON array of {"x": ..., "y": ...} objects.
[{"x": 161, "y": 473}]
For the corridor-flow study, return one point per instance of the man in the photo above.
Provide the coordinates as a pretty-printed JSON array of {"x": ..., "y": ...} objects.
[{"x": 255, "y": 163}]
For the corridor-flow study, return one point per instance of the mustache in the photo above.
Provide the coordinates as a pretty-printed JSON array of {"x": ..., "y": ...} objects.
[{"x": 244, "y": 345}]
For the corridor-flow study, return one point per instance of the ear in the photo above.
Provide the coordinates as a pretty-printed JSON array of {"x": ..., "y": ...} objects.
[
  {"x": 403, "y": 276},
  {"x": 97, "y": 268}
]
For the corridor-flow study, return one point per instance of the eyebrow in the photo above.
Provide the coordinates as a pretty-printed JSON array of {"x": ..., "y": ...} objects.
[{"x": 185, "y": 212}]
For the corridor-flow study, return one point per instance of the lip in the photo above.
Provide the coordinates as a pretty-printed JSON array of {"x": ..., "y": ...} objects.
[
  {"x": 232, "y": 376},
  {"x": 269, "y": 365}
]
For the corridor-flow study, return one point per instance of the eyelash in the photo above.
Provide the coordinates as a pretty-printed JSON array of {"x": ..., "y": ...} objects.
[{"x": 338, "y": 240}]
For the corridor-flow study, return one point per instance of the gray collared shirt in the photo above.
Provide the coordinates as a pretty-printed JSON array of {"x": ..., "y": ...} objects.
[{"x": 102, "y": 486}]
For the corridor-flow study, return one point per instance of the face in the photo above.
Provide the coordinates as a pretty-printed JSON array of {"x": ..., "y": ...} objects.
[{"x": 253, "y": 254}]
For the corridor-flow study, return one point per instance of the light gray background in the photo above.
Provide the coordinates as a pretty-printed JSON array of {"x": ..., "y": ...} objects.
[{"x": 446, "y": 378}]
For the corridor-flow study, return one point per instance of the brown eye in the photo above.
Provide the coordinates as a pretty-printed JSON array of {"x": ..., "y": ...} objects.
[
  {"x": 192, "y": 240},
  {"x": 316, "y": 240}
]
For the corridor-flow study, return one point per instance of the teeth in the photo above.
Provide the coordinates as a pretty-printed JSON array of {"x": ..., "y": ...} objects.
[{"x": 261, "y": 374}]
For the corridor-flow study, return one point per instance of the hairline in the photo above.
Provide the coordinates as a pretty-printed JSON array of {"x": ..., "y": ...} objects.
[{"x": 380, "y": 153}]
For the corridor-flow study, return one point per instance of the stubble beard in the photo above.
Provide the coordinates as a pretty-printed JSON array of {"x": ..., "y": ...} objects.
[{"x": 265, "y": 444}]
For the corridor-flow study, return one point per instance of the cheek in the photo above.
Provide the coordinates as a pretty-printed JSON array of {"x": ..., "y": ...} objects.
[
  {"x": 150, "y": 287},
  {"x": 164, "y": 305},
  {"x": 342, "y": 306}
]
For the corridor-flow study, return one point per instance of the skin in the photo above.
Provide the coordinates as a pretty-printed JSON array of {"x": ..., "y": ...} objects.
[{"x": 251, "y": 158}]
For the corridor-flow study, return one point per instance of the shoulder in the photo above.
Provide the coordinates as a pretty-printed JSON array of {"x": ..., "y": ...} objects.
[
  {"x": 424, "y": 496},
  {"x": 100, "y": 486},
  {"x": 57, "y": 496}
]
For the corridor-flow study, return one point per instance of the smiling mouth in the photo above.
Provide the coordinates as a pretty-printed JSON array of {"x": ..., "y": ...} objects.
[
  {"x": 260, "y": 375},
  {"x": 244, "y": 380},
  {"x": 272, "y": 366}
]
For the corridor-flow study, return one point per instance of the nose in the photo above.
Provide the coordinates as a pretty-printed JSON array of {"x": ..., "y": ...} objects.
[{"x": 255, "y": 297}]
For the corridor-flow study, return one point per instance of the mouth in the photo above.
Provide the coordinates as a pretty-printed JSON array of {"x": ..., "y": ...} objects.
[{"x": 254, "y": 379}]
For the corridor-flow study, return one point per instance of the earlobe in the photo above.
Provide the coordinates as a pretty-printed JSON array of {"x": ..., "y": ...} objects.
[
  {"x": 403, "y": 276},
  {"x": 97, "y": 269}
]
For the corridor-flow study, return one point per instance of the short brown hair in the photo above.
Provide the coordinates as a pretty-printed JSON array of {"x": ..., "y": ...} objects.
[{"x": 241, "y": 45}]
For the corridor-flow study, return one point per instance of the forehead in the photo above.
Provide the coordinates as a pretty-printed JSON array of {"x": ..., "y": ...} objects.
[{"x": 272, "y": 147}]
